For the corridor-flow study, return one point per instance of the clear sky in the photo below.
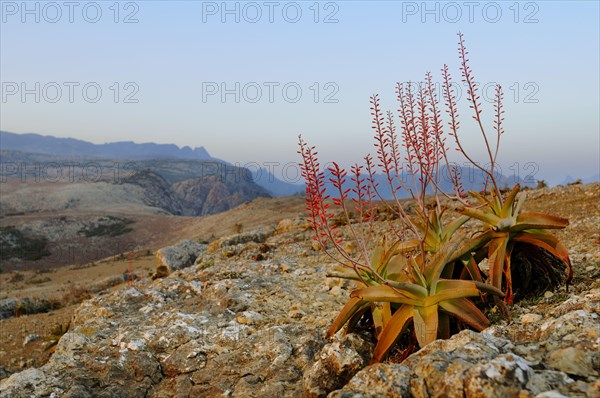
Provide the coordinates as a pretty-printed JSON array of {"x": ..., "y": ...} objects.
[{"x": 174, "y": 71}]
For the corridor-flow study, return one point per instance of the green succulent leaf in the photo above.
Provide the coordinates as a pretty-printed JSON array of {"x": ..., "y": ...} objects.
[
  {"x": 450, "y": 229},
  {"x": 407, "y": 246},
  {"x": 480, "y": 198},
  {"x": 487, "y": 288},
  {"x": 496, "y": 204},
  {"x": 376, "y": 257},
  {"x": 519, "y": 202},
  {"x": 509, "y": 201},
  {"x": 487, "y": 217},
  {"x": 450, "y": 252},
  {"x": 415, "y": 272},
  {"x": 344, "y": 274},
  {"x": 535, "y": 220}
]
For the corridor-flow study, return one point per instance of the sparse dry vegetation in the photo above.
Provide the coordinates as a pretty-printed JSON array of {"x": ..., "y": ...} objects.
[
  {"x": 15, "y": 244},
  {"x": 108, "y": 226}
]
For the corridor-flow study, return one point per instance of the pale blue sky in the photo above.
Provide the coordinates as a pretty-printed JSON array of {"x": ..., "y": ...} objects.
[{"x": 545, "y": 54}]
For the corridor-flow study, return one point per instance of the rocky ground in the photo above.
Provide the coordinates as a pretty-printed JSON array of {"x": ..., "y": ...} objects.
[
  {"x": 45, "y": 298},
  {"x": 248, "y": 320}
]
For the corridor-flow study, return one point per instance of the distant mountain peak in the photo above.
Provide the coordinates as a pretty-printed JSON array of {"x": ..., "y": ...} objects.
[{"x": 50, "y": 145}]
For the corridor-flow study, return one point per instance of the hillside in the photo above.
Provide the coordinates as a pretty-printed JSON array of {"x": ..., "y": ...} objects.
[
  {"x": 47, "y": 200},
  {"x": 248, "y": 319}
]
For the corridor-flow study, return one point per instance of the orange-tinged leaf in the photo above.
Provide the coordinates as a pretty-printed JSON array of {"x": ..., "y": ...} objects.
[
  {"x": 508, "y": 275},
  {"x": 352, "y": 306},
  {"x": 426, "y": 324},
  {"x": 496, "y": 258},
  {"x": 466, "y": 311},
  {"x": 535, "y": 220},
  {"x": 545, "y": 241},
  {"x": 407, "y": 246},
  {"x": 550, "y": 244},
  {"x": 387, "y": 313},
  {"x": 381, "y": 313},
  {"x": 444, "y": 284},
  {"x": 472, "y": 267},
  {"x": 354, "y": 319},
  {"x": 449, "y": 294},
  {"x": 392, "y": 331}
]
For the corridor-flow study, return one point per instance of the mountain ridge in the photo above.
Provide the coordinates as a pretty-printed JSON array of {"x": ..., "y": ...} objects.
[
  {"x": 50, "y": 145},
  {"x": 45, "y": 148}
]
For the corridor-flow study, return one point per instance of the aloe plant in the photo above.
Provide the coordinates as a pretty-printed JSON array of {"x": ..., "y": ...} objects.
[
  {"x": 428, "y": 300},
  {"x": 432, "y": 271},
  {"x": 387, "y": 266},
  {"x": 505, "y": 224}
]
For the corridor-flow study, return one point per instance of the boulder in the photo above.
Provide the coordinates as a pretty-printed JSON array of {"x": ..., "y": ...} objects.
[{"x": 179, "y": 256}]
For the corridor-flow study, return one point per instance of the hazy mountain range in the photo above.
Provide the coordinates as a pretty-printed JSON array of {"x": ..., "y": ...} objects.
[
  {"x": 49, "y": 145},
  {"x": 40, "y": 148},
  {"x": 189, "y": 163},
  {"x": 472, "y": 180}
]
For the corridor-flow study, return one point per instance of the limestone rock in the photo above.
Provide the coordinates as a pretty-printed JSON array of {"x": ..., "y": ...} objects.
[
  {"x": 338, "y": 362},
  {"x": 379, "y": 380},
  {"x": 176, "y": 257}
]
